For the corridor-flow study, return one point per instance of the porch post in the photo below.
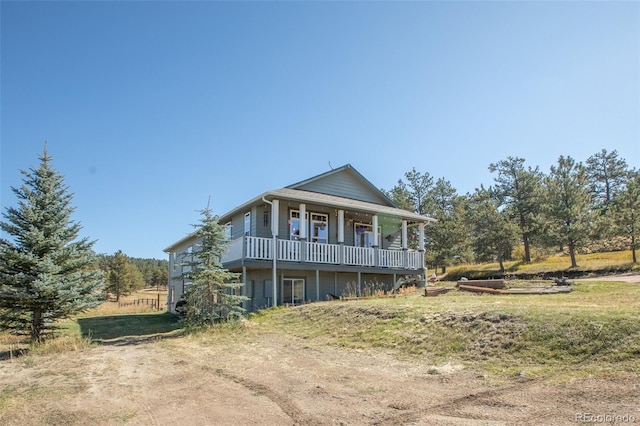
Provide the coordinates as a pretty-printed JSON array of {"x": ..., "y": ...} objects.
[
  {"x": 341, "y": 235},
  {"x": 303, "y": 232},
  {"x": 374, "y": 220},
  {"x": 376, "y": 253},
  {"x": 421, "y": 245},
  {"x": 405, "y": 243},
  {"x": 243, "y": 289},
  {"x": 340, "y": 226},
  {"x": 404, "y": 235},
  {"x": 275, "y": 209}
]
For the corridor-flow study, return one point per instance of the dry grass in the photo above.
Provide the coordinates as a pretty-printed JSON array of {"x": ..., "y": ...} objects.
[
  {"x": 592, "y": 330},
  {"x": 112, "y": 307},
  {"x": 69, "y": 337},
  {"x": 558, "y": 264}
]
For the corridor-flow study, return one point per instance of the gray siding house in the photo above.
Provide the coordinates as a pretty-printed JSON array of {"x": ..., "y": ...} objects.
[{"x": 313, "y": 240}]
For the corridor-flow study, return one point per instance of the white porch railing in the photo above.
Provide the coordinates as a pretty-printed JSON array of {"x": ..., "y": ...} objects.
[
  {"x": 259, "y": 248},
  {"x": 290, "y": 251},
  {"x": 391, "y": 258},
  {"x": 323, "y": 253},
  {"x": 362, "y": 256},
  {"x": 415, "y": 260}
]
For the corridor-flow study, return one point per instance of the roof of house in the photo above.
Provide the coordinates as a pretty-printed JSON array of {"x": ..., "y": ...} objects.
[{"x": 346, "y": 169}]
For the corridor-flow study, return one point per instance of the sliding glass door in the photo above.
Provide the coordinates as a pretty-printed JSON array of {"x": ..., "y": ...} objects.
[{"x": 292, "y": 291}]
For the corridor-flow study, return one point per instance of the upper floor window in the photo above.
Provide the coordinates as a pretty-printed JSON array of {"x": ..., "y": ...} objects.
[
  {"x": 363, "y": 235},
  {"x": 294, "y": 225},
  {"x": 227, "y": 231},
  {"x": 319, "y": 227},
  {"x": 247, "y": 223}
]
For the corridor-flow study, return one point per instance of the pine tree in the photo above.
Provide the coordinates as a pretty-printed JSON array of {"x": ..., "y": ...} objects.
[
  {"x": 212, "y": 292},
  {"x": 46, "y": 272},
  {"x": 568, "y": 204},
  {"x": 627, "y": 208},
  {"x": 494, "y": 235},
  {"x": 117, "y": 282},
  {"x": 520, "y": 190}
]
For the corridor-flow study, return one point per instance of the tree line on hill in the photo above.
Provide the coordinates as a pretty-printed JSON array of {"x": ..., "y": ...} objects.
[{"x": 575, "y": 207}]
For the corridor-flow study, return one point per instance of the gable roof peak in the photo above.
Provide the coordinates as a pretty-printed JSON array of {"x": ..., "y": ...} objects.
[{"x": 311, "y": 182}]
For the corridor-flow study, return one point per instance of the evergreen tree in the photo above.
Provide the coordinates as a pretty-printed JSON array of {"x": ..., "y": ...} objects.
[
  {"x": 627, "y": 206},
  {"x": 117, "y": 282},
  {"x": 568, "y": 204},
  {"x": 607, "y": 174},
  {"x": 401, "y": 196},
  {"x": 160, "y": 277},
  {"x": 448, "y": 237},
  {"x": 124, "y": 277},
  {"x": 520, "y": 190},
  {"x": 421, "y": 190},
  {"x": 46, "y": 273},
  {"x": 212, "y": 291},
  {"x": 494, "y": 234}
]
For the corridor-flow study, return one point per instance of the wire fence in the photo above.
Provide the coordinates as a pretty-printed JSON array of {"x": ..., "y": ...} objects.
[{"x": 152, "y": 303}]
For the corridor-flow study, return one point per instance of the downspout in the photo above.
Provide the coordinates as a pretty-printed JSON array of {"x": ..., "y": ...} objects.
[{"x": 274, "y": 255}]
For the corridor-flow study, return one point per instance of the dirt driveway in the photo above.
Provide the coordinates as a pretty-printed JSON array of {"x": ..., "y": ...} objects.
[
  {"x": 270, "y": 379},
  {"x": 632, "y": 278}
]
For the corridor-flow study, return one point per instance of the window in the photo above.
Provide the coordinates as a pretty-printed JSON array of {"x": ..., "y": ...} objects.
[
  {"x": 294, "y": 225},
  {"x": 247, "y": 223},
  {"x": 319, "y": 228},
  {"x": 363, "y": 235},
  {"x": 227, "y": 231}
]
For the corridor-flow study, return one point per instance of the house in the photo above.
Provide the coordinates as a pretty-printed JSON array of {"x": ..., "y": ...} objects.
[{"x": 313, "y": 240}]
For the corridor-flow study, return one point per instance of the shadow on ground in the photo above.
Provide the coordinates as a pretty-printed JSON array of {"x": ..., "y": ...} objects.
[{"x": 129, "y": 329}]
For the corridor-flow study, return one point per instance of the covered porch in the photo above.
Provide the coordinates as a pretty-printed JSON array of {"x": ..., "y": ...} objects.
[{"x": 301, "y": 251}]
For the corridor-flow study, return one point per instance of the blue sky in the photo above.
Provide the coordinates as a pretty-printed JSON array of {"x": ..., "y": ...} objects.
[{"x": 150, "y": 108}]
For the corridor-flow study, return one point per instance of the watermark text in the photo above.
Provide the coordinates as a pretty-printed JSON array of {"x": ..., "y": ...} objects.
[{"x": 606, "y": 418}]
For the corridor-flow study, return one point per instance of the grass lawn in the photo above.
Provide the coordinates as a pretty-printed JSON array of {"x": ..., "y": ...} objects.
[{"x": 103, "y": 328}]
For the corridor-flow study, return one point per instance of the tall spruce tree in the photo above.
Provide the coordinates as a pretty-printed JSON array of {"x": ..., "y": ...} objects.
[
  {"x": 46, "y": 272},
  {"x": 212, "y": 291}
]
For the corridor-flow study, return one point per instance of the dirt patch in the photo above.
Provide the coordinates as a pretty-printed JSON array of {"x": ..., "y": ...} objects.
[
  {"x": 632, "y": 278},
  {"x": 273, "y": 379}
]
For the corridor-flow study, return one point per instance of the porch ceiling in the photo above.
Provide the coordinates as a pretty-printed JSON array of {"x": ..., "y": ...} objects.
[{"x": 331, "y": 201}]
